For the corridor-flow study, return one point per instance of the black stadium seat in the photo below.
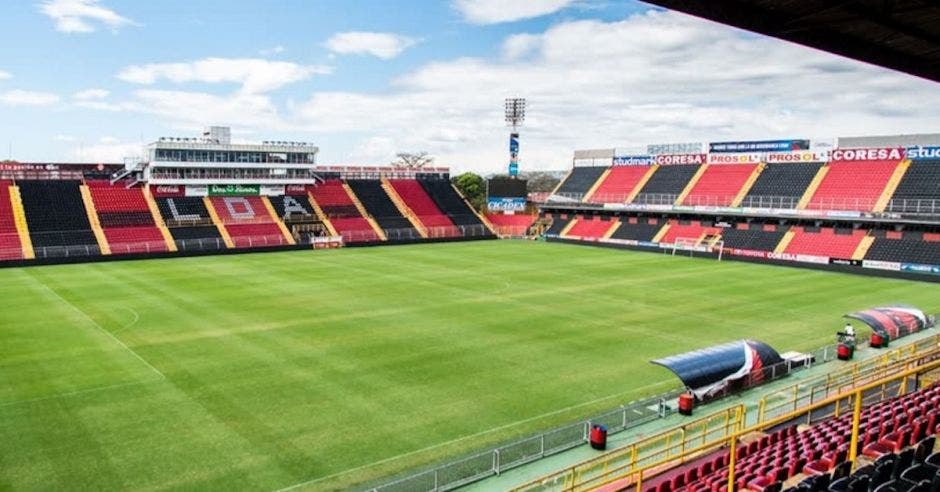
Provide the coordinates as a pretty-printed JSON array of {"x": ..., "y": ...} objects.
[
  {"x": 781, "y": 184},
  {"x": 665, "y": 185},
  {"x": 58, "y": 223}
]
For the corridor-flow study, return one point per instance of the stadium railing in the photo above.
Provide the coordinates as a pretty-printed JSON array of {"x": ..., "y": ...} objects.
[
  {"x": 630, "y": 476},
  {"x": 480, "y": 465}
]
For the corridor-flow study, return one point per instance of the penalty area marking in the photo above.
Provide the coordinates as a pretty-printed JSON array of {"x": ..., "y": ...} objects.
[
  {"x": 76, "y": 392},
  {"x": 98, "y": 326},
  {"x": 464, "y": 438}
]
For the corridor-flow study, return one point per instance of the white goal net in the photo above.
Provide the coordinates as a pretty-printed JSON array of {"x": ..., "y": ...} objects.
[{"x": 691, "y": 245}]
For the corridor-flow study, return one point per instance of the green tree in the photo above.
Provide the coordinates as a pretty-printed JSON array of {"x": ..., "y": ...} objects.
[{"x": 473, "y": 188}]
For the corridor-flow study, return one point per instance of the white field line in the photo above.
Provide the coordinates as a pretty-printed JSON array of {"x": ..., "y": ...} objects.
[
  {"x": 101, "y": 328},
  {"x": 76, "y": 392},
  {"x": 464, "y": 438}
]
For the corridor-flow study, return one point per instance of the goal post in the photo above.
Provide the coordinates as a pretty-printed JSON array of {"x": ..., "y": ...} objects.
[{"x": 693, "y": 244}]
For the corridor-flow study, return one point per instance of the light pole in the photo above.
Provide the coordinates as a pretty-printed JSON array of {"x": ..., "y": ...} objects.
[{"x": 515, "y": 116}]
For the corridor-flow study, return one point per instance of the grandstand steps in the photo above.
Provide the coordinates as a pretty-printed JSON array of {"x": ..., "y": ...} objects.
[
  {"x": 19, "y": 219},
  {"x": 560, "y": 183},
  {"x": 662, "y": 232},
  {"x": 486, "y": 222},
  {"x": 892, "y": 185},
  {"x": 748, "y": 185},
  {"x": 403, "y": 208},
  {"x": 365, "y": 214},
  {"x": 277, "y": 220},
  {"x": 863, "y": 247},
  {"x": 158, "y": 220},
  {"x": 813, "y": 186},
  {"x": 691, "y": 184},
  {"x": 784, "y": 242},
  {"x": 103, "y": 245},
  {"x": 226, "y": 237},
  {"x": 615, "y": 224},
  {"x": 322, "y": 215},
  {"x": 641, "y": 183},
  {"x": 597, "y": 184}
]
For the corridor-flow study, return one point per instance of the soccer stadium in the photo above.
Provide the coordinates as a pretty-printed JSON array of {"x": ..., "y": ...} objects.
[{"x": 715, "y": 314}]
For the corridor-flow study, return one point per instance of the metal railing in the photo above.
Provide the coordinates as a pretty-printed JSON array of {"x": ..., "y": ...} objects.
[{"x": 630, "y": 477}]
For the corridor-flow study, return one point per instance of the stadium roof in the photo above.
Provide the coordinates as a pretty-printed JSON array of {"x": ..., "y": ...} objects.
[{"x": 902, "y": 35}]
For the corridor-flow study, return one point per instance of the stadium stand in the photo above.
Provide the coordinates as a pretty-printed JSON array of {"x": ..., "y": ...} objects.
[
  {"x": 694, "y": 229},
  {"x": 913, "y": 247},
  {"x": 579, "y": 181},
  {"x": 781, "y": 185},
  {"x": 333, "y": 199},
  {"x": 919, "y": 189},
  {"x": 637, "y": 228},
  {"x": 382, "y": 209},
  {"x": 451, "y": 203},
  {"x": 558, "y": 225},
  {"x": 287, "y": 206},
  {"x": 189, "y": 223},
  {"x": 665, "y": 185},
  {"x": 852, "y": 185},
  {"x": 720, "y": 185},
  {"x": 10, "y": 247},
  {"x": 590, "y": 228},
  {"x": 511, "y": 225},
  {"x": 756, "y": 237},
  {"x": 57, "y": 218},
  {"x": 248, "y": 221},
  {"x": 619, "y": 185},
  {"x": 824, "y": 241},
  {"x": 417, "y": 199},
  {"x": 126, "y": 218}
]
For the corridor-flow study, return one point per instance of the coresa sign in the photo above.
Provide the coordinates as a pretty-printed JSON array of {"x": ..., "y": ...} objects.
[
  {"x": 674, "y": 159},
  {"x": 869, "y": 154}
]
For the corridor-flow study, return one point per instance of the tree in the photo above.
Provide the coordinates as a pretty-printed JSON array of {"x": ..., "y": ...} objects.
[
  {"x": 541, "y": 181},
  {"x": 473, "y": 188},
  {"x": 413, "y": 160}
]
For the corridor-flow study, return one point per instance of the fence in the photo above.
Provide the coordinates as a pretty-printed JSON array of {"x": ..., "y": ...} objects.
[{"x": 631, "y": 477}]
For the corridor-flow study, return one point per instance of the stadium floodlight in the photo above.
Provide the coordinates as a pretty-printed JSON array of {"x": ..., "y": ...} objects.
[{"x": 515, "y": 111}]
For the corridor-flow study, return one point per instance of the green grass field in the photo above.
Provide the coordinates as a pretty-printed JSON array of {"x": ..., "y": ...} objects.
[{"x": 332, "y": 368}]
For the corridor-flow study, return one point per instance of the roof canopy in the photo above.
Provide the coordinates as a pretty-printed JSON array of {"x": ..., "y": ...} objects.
[
  {"x": 710, "y": 369},
  {"x": 892, "y": 322}
]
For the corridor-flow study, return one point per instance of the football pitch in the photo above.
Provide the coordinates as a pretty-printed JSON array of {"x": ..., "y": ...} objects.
[{"x": 333, "y": 368}]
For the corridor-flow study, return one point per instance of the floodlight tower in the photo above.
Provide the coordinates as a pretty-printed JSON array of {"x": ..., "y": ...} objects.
[{"x": 515, "y": 115}]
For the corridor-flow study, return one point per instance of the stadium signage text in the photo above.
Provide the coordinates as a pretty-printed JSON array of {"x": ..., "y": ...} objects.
[
  {"x": 234, "y": 190},
  {"x": 882, "y": 265},
  {"x": 874, "y": 154},
  {"x": 296, "y": 189},
  {"x": 797, "y": 156},
  {"x": 506, "y": 203},
  {"x": 920, "y": 153},
  {"x": 673, "y": 159},
  {"x": 759, "y": 146},
  {"x": 169, "y": 190},
  {"x": 734, "y": 158},
  {"x": 633, "y": 160}
]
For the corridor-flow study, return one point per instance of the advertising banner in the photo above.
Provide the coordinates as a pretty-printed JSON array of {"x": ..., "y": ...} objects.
[
  {"x": 197, "y": 190},
  {"x": 675, "y": 159},
  {"x": 676, "y": 148},
  {"x": 797, "y": 156},
  {"x": 914, "y": 267},
  {"x": 759, "y": 146},
  {"x": 296, "y": 190},
  {"x": 923, "y": 153},
  {"x": 271, "y": 190},
  {"x": 167, "y": 191},
  {"x": 872, "y": 154},
  {"x": 752, "y": 253},
  {"x": 749, "y": 158},
  {"x": 844, "y": 262},
  {"x": 234, "y": 190},
  {"x": 819, "y": 260},
  {"x": 633, "y": 160},
  {"x": 882, "y": 265},
  {"x": 505, "y": 204}
]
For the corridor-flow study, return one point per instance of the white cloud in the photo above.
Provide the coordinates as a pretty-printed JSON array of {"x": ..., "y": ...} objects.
[
  {"x": 272, "y": 51},
  {"x": 108, "y": 140},
  {"x": 520, "y": 45},
  {"x": 64, "y": 138},
  {"x": 199, "y": 109},
  {"x": 497, "y": 11},
  {"x": 111, "y": 151},
  {"x": 102, "y": 105},
  {"x": 255, "y": 75},
  {"x": 90, "y": 94},
  {"x": 379, "y": 44},
  {"x": 28, "y": 98},
  {"x": 82, "y": 16},
  {"x": 5, "y": 75}
]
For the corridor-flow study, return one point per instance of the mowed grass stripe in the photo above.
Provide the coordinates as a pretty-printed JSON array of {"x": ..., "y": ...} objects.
[{"x": 333, "y": 368}]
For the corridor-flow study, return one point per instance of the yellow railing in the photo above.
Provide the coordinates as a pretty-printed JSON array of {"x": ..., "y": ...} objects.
[
  {"x": 672, "y": 447},
  {"x": 808, "y": 391}
]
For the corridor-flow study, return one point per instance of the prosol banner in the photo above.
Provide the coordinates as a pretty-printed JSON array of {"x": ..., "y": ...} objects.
[
  {"x": 868, "y": 154},
  {"x": 797, "y": 156}
]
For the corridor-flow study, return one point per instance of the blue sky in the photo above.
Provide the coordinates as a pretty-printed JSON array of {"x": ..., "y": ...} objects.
[{"x": 92, "y": 79}]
